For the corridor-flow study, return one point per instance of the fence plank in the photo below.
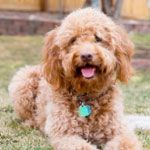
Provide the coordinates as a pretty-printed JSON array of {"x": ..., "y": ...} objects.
[
  {"x": 66, "y": 5},
  {"x": 136, "y": 9},
  {"x": 27, "y": 5}
]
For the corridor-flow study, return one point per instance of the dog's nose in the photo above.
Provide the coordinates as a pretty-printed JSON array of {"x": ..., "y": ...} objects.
[{"x": 86, "y": 57}]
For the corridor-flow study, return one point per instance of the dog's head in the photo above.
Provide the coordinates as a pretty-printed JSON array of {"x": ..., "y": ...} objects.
[{"x": 87, "y": 51}]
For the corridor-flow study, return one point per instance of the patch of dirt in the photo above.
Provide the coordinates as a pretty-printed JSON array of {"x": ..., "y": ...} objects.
[
  {"x": 141, "y": 58},
  {"x": 141, "y": 63},
  {"x": 142, "y": 52}
]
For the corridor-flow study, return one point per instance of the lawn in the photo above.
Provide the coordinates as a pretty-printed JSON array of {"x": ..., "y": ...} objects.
[
  {"x": 18, "y": 51},
  {"x": 141, "y": 40}
]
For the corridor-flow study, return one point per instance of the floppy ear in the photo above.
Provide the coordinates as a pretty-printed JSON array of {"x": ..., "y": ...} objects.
[
  {"x": 52, "y": 68},
  {"x": 123, "y": 51}
]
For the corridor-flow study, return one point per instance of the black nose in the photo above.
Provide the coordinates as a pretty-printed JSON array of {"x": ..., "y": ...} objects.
[{"x": 86, "y": 57}]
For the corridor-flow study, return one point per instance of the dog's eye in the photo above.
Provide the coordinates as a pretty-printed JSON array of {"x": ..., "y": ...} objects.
[
  {"x": 98, "y": 39},
  {"x": 72, "y": 40}
]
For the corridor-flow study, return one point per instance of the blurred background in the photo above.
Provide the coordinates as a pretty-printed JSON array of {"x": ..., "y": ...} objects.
[
  {"x": 23, "y": 24},
  {"x": 39, "y": 16}
]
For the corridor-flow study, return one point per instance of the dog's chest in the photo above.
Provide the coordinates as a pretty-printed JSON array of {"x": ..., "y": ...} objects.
[{"x": 98, "y": 127}]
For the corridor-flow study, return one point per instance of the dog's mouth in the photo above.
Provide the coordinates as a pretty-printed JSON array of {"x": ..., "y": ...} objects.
[{"x": 87, "y": 71}]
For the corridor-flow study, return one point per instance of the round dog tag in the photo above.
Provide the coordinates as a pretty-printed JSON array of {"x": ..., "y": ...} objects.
[{"x": 84, "y": 110}]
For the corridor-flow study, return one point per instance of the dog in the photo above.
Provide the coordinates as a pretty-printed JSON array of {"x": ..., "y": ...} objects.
[{"x": 72, "y": 96}]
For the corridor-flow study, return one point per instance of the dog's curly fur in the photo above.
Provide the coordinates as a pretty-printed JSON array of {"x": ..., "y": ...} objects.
[{"x": 45, "y": 96}]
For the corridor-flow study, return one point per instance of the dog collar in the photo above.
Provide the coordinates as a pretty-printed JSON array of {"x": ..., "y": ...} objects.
[{"x": 85, "y": 109}]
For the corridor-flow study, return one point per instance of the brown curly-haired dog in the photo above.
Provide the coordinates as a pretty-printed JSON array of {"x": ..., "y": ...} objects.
[{"x": 73, "y": 97}]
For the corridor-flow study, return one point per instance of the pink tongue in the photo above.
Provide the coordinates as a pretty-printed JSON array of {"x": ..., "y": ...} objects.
[{"x": 88, "y": 72}]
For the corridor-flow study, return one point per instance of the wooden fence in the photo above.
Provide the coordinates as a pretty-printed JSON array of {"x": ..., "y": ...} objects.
[
  {"x": 64, "y": 5},
  {"x": 136, "y": 9},
  {"x": 25, "y": 5},
  {"x": 50, "y": 5}
]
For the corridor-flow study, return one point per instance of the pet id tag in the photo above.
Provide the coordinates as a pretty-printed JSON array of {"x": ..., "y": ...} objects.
[{"x": 84, "y": 110}]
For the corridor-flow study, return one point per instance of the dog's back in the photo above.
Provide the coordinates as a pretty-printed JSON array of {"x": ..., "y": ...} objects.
[{"x": 23, "y": 91}]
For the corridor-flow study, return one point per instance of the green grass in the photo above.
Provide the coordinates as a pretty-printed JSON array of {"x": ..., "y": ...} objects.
[
  {"x": 137, "y": 94},
  {"x": 142, "y": 45},
  {"x": 141, "y": 40},
  {"x": 144, "y": 137},
  {"x": 16, "y": 52}
]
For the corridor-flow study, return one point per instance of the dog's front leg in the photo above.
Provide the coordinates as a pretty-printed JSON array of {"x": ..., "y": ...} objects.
[
  {"x": 61, "y": 137},
  {"x": 123, "y": 142},
  {"x": 71, "y": 142}
]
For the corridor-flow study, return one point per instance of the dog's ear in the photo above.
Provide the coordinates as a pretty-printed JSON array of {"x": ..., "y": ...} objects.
[
  {"x": 124, "y": 49},
  {"x": 52, "y": 67}
]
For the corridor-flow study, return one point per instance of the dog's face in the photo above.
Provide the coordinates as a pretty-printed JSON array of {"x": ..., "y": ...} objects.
[{"x": 88, "y": 51}]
